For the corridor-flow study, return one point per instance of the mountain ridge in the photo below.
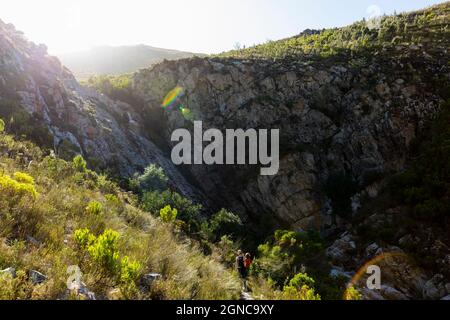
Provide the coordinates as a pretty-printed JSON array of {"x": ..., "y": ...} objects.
[{"x": 115, "y": 60}]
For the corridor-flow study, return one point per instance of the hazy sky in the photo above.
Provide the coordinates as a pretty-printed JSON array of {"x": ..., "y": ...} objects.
[{"x": 207, "y": 26}]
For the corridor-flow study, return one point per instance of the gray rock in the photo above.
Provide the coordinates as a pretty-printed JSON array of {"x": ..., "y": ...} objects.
[
  {"x": 82, "y": 291},
  {"x": 368, "y": 294},
  {"x": 36, "y": 277},
  {"x": 434, "y": 289},
  {"x": 372, "y": 249},
  {"x": 8, "y": 272},
  {"x": 342, "y": 249},
  {"x": 34, "y": 241},
  {"x": 446, "y": 298},
  {"x": 340, "y": 272},
  {"x": 149, "y": 278},
  {"x": 392, "y": 294}
]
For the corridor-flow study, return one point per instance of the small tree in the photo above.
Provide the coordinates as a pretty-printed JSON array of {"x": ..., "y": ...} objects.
[
  {"x": 153, "y": 179},
  {"x": 223, "y": 223}
]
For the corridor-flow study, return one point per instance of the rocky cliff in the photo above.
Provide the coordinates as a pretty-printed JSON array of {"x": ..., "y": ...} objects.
[
  {"x": 348, "y": 113},
  {"x": 78, "y": 120}
]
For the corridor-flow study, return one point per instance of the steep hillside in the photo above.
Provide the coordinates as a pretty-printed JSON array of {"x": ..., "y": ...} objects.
[
  {"x": 56, "y": 214},
  {"x": 117, "y": 60}
]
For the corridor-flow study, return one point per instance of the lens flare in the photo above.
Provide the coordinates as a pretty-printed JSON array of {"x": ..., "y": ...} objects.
[
  {"x": 172, "y": 99},
  {"x": 384, "y": 258}
]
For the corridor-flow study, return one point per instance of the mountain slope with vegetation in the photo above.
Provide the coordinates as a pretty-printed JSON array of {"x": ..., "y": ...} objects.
[
  {"x": 360, "y": 109},
  {"x": 55, "y": 214}
]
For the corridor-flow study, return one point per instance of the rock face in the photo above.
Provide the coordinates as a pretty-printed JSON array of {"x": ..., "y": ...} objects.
[
  {"x": 79, "y": 120},
  {"x": 342, "y": 249},
  {"x": 355, "y": 118}
]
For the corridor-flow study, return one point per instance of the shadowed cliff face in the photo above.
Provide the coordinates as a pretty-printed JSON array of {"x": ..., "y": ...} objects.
[
  {"x": 354, "y": 119},
  {"x": 348, "y": 103}
]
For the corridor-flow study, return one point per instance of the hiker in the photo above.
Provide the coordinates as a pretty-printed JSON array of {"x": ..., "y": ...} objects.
[
  {"x": 240, "y": 266},
  {"x": 247, "y": 262}
]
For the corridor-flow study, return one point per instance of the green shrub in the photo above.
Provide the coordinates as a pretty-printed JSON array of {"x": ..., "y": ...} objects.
[
  {"x": 188, "y": 212},
  {"x": 280, "y": 258},
  {"x": 104, "y": 250},
  {"x": 116, "y": 87},
  {"x": 14, "y": 188},
  {"x": 104, "y": 258},
  {"x": 23, "y": 178},
  {"x": 221, "y": 224},
  {"x": 83, "y": 238},
  {"x": 129, "y": 270},
  {"x": 2, "y": 126},
  {"x": 303, "y": 293},
  {"x": 168, "y": 214},
  {"x": 94, "y": 208},
  {"x": 302, "y": 279},
  {"x": 352, "y": 294},
  {"x": 79, "y": 164},
  {"x": 153, "y": 179},
  {"x": 226, "y": 250}
]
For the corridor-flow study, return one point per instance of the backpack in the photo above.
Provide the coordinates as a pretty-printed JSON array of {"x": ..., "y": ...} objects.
[
  {"x": 247, "y": 263},
  {"x": 240, "y": 262}
]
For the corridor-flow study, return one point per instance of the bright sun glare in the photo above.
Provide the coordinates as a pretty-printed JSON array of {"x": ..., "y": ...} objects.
[
  {"x": 202, "y": 26},
  {"x": 67, "y": 26}
]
